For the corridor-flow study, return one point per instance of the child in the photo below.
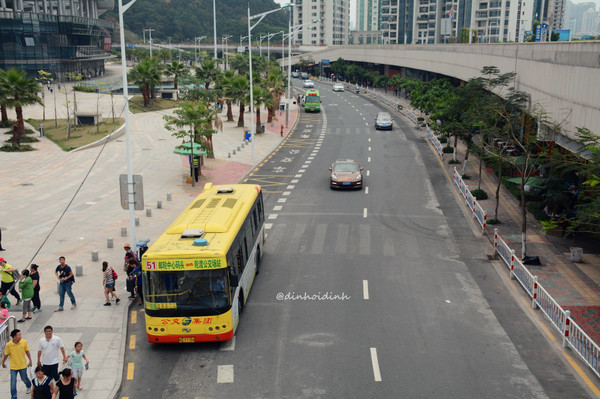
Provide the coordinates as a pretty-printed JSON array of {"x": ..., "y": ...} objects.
[
  {"x": 26, "y": 287},
  {"x": 3, "y": 312},
  {"x": 77, "y": 363},
  {"x": 65, "y": 387}
]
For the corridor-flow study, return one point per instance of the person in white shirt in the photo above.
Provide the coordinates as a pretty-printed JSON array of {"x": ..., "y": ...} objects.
[{"x": 48, "y": 353}]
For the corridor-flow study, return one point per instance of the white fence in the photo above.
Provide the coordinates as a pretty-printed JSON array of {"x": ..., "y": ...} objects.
[
  {"x": 471, "y": 202},
  {"x": 5, "y": 328},
  {"x": 573, "y": 336},
  {"x": 436, "y": 143}
]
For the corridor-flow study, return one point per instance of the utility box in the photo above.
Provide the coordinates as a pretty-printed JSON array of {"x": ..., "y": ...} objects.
[{"x": 87, "y": 118}]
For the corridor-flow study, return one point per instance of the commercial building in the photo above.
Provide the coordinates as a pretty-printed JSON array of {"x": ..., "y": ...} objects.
[
  {"x": 332, "y": 29},
  {"x": 57, "y": 36}
]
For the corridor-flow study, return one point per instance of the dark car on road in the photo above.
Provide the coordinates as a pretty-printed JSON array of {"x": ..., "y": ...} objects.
[
  {"x": 383, "y": 121},
  {"x": 345, "y": 173}
]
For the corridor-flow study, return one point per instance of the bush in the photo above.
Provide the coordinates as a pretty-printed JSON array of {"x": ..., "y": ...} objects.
[
  {"x": 443, "y": 139},
  {"x": 466, "y": 177},
  {"x": 479, "y": 194},
  {"x": 454, "y": 162},
  {"x": 448, "y": 149},
  {"x": 537, "y": 210},
  {"x": 11, "y": 148},
  {"x": 85, "y": 89},
  {"x": 420, "y": 119},
  {"x": 515, "y": 190},
  {"x": 493, "y": 221},
  {"x": 8, "y": 123}
]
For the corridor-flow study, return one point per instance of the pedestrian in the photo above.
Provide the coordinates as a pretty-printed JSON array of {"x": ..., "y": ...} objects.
[
  {"x": 65, "y": 387},
  {"x": 77, "y": 357},
  {"x": 108, "y": 281},
  {"x": 3, "y": 312},
  {"x": 131, "y": 265},
  {"x": 35, "y": 278},
  {"x": 8, "y": 281},
  {"x": 48, "y": 352},
  {"x": 26, "y": 287},
  {"x": 194, "y": 166},
  {"x": 64, "y": 274},
  {"x": 281, "y": 131},
  {"x": 43, "y": 386},
  {"x": 137, "y": 274},
  {"x": 18, "y": 351}
]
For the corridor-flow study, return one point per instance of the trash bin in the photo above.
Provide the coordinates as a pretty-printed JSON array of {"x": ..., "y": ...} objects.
[
  {"x": 576, "y": 254},
  {"x": 262, "y": 127},
  {"x": 282, "y": 107},
  {"x": 247, "y": 135}
]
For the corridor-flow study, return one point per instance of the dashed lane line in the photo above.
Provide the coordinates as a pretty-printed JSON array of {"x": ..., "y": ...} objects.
[
  {"x": 366, "y": 289},
  {"x": 133, "y": 317},
  {"x": 132, "y": 341},
  {"x": 228, "y": 345},
  {"x": 130, "y": 370},
  {"x": 375, "y": 363},
  {"x": 365, "y": 213}
]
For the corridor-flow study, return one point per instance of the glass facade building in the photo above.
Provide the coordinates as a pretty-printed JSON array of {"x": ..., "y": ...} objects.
[{"x": 57, "y": 36}]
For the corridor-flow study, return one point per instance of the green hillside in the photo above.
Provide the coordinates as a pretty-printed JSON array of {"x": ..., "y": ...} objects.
[{"x": 182, "y": 20}]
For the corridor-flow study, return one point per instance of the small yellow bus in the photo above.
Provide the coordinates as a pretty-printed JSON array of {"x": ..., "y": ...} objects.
[{"x": 198, "y": 273}]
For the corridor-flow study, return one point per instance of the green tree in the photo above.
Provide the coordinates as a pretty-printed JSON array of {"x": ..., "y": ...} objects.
[
  {"x": 209, "y": 72},
  {"x": 146, "y": 75},
  {"x": 275, "y": 83},
  {"x": 21, "y": 91},
  {"x": 3, "y": 97},
  {"x": 239, "y": 92},
  {"x": 177, "y": 70},
  {"x": 262, "y": 97},
  {"x": 224, "y": 86}
]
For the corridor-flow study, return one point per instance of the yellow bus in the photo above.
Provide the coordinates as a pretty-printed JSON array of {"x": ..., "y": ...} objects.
[{"x": 198, "y": 273}]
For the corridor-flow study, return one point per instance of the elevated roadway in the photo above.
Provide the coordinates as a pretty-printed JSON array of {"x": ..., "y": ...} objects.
[{"x": 561, "y": 77}]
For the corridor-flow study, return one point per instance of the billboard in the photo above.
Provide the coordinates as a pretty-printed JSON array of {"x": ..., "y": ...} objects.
[{"x": 564, "y": 35}]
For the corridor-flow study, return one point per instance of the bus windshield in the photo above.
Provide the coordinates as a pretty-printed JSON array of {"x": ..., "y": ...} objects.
[
  {"x": 187, "y": 293},
  {"x": 312, "y": 99}
]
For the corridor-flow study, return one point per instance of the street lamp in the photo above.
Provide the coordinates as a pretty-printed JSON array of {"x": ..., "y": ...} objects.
[
  {"x": 130, "y": 188},
  {"x": 149, "y": 30},
  {"x": 250, "y": 27},
  {"x": 261, "y": 38},
  {"x": 269, "y": 42},
  {"x": 225, "y": 54},
  {"x": 197, "y": 40},
  {"x": 215, "y": 28}
]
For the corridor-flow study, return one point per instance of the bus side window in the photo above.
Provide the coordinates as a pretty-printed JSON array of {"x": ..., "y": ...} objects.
[
  {"x": 241, "y": 258},
  {"x": 260, "y": 209}
]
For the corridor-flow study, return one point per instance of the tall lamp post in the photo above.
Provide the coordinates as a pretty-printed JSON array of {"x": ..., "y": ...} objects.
[
  {"x": 269, "y": 37},
  {"x": 149, "y": 30},
  {"x": 225, "y": 54},
  {"x": 130, "y": 185},
  {"x": 197, "y": 40},
  {"x": 215, "y": 27},
  {"x": 250, "y": 27}
]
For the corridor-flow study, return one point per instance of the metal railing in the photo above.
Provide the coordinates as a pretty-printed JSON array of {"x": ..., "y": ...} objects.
[
  {"x": 572, "y": 334},
  {"x": 471, "y": 201},
  {"x": 5, "y": 328},
  {"x": 436, "y": 143}
]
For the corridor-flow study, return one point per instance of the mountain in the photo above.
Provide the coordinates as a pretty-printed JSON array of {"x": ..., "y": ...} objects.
[{"x": 182, "y": 20}]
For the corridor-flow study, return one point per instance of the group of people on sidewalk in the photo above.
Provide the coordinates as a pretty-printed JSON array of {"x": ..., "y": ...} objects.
[
  {"x": 46, "y": 382},
  {"x": 133, "y": 270}
]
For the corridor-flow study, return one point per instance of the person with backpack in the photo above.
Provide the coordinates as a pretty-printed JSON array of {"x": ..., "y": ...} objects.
[
  {"x": 65, "y": 276},
  {"x": 108, "y": 282},
  {"x": 8, "y": 273}
]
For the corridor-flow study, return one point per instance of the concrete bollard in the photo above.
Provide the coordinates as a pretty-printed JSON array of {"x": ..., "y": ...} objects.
[
  {"x": 238, "y": 148},
  {"x": 109, "y": 242},
  {"x": 123, "y": 231},
  {"x": 79, "y": 270},
  {"x": 148, "y": 212},
  {"x": 137, "y": 221},
  {"x": 233, "y": 152},
  {"x": 242, "y": 145},
  {"x": 94, "y": 256},
  {"x": 159, "y": 204},
  {"x": 228, "y": 155}
]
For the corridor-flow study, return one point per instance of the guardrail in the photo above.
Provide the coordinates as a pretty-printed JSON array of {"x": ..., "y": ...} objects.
[
  {"x": 471, "y": 201},
  {"x": 5, "y": 329},
  {"x": 572, "y": 334},
  {"x": 436, "y": 143}
]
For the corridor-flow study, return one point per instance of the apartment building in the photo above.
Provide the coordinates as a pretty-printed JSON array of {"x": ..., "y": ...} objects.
[{"x": 332, "y": 27}]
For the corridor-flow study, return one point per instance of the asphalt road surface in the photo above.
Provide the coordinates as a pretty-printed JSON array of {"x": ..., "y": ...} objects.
[{"x": 381, "y": 292}]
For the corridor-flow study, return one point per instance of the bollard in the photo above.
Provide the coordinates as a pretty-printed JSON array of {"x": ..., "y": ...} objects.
[
  {"x": 137, "y": 221},
  {"x": 233, "y": 152},
  {"x": 159, "y": 204},
  {"x": 148, "y": 212},
  {"x": 238, "y": 148},
  {"x": 79, "y": 270},
  {"x": 109, "y": 243},
  {"x": 123, "y": 231},
  {"x": 242, "y": 145},
  {"x": 228, "y": 155},
  {"x": 169, "y": 197},
  {"x": 94, "y": 256}
]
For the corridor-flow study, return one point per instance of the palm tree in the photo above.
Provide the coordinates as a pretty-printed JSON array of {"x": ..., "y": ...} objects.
[
  {"x": 239, "y": 92},
  {"x": 177, "y": 70},
  {"x": 224, "y": 86},
  {"x": 209, "y": 72},
  {"x": 146, "y": 75},
  {"x": 3, "y": 97},
  {"x": 20, "y": 91},
  {"x": 262, "y": 96},
  {"x": 275, "y": 82}
]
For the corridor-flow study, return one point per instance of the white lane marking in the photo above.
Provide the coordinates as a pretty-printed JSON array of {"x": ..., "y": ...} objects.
[
  {"x": 228, "y": 345},
  {"x": 367, "y": 124},
  {"x": 367, "y": 190},
  {"x": 369, "y": 148},
  {"x": 290, "y": 187},
  {"x": 375, "y": 363},
  {"x": 298, "y": 176},
  {"x": 369, "y": 159},
  {"x": 369, "y": 139},
  {"x": 366, "y": 289},
  {"x": 281, "y": 201},
  {"x": 225, "y": 374},
  {"x": 277, "y": 207},
  {"x": 364, "y": 213},
  {"x": 448, "y": 301},
  {"x": 311, "y": 158},
  {"x": 368, "y": 173},
  {"x": 286, "y": 193},
  {"x": 268, "y": 226},
  {"x": 294, "y": 181},
  {"x": 272, "y": 216},
  {"x": 302, "y": 170}
]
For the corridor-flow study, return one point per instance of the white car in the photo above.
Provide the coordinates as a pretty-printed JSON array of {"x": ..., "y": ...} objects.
[
  {"x": 309, "y": 83},
  {"x": 338, "y": 87}
]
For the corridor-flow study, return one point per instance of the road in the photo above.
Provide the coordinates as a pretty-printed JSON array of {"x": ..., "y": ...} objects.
[{"x": 383, "y": 292}]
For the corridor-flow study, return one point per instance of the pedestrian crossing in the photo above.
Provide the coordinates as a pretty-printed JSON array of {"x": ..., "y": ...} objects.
[
  {"x": 361, "y": 131},
  {"x": 361, "y": 239}
]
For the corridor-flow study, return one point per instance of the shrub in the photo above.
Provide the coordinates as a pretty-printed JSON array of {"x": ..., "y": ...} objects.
[
  {"x": 420, "y": 119},
  {"x": 537, "y": 210},
  {"x": 443, "y": 139},
  {"x": 493, "y": 221},
  {"x": 515, "y": 190},
  {"x": 448, "y": 149},
  {"x": 11, "y": 148},
  {"x": 8, "y": 123},
  {"x": 454, "y": 162},
  {"x": 479, "y": 194},
  {"x": 466, "y": 177},
  {"x": 85, "y": 89}
]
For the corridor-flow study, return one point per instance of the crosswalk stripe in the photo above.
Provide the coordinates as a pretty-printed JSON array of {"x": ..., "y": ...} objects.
[
  {"x": 364, "y": 242},
  {"x": 318, "y": 239},
  {"x": 341, "y": 243}
]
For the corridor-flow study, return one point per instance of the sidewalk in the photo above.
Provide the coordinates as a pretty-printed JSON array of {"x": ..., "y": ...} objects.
[
  {"x": 575, "y": 286},
  {"x": 38, "y": 186}
]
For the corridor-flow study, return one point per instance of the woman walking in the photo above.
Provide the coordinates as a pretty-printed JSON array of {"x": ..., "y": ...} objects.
[
  {"x": 35, "y": 278},
  {"x": 108, "y": 281},
  {"x": 26, "y": 287},
  {"x": 65, "y": 387},
  {"x": 43, "y": 386}
]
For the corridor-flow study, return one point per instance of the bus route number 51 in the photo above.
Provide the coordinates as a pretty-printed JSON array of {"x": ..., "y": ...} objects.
[{"x": 151, "y": 265}]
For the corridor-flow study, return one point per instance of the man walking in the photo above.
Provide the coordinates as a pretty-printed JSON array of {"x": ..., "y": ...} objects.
[
  {"x": 18, "y": 351},
  {"x": 48, "y": 348},
  {"x": 64, "y": 274},
  {"x": 8, "y": 281}
]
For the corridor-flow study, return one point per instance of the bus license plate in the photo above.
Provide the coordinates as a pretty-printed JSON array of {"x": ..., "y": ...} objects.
[{"x": 187, "y": 340}]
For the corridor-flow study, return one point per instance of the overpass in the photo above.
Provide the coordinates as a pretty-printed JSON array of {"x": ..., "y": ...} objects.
[{"x": 561, "y": 77}]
